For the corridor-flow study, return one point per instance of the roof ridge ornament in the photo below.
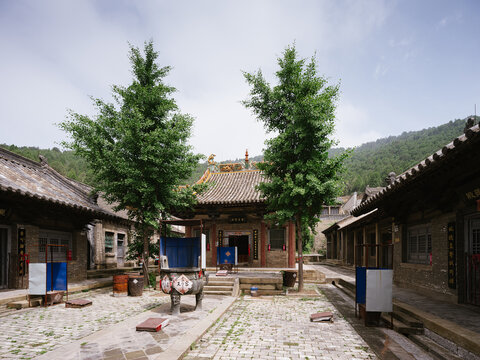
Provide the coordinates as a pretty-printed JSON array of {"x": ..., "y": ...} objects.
[{"x": 212, "y": 165}]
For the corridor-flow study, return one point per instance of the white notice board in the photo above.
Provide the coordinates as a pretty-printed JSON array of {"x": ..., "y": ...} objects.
[
  {"x": 37, "y": 279},
  {"x": 203, "y": 265},
  {"x": 379, "y": 290}
]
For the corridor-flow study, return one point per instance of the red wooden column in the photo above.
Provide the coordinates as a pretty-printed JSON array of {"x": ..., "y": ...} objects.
[
  {"x": 291, "y": 245},
  {"x": 188, "y": 231},
  {"x": 213, "y": 247},
  {"x": 263, "y": 245}
]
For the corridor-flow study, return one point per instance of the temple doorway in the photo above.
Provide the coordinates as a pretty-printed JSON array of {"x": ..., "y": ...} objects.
[{"x": 241, "y": 242}]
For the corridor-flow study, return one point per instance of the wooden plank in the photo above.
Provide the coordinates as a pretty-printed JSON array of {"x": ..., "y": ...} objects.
[{"x": 152, "y": 324}]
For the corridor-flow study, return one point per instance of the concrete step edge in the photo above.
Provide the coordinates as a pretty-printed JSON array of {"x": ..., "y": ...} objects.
[
  {"x": 467, "y": 339},
  {"x": 402, "y": 328},
  {"x": 432, "y": 347},
  {"x": 212, "y": 292}
]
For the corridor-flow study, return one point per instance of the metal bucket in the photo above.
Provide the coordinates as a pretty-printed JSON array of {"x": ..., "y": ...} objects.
[
  {"x": 120, "y": 285},
  {"x": 135, "y": 285},
  {"x": 289, "y": 278}
]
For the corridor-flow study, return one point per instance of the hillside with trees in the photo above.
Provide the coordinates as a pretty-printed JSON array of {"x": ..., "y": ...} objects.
[{"x": 369, "y": 163}]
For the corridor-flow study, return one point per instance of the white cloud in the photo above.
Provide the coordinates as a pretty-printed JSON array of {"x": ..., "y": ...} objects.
[{"x": 354, "y": 125}]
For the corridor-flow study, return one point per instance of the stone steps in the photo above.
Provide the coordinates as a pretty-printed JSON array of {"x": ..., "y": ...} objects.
[
  {"x": 405, "y": 323},
  {"x": 219, "y": 286},
  {"x": 432, "y": 347},
  {"x": 216, "y": 292},
  {"x": 260, "y": 287},
  {"x": 401, "y": 327},
  {"x": 22, "y": 304}
]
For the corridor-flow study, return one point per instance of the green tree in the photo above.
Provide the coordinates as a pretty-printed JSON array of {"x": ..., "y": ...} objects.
[
  {"x": 300, "y": 111},
  {"x": 137, "y": 147}
]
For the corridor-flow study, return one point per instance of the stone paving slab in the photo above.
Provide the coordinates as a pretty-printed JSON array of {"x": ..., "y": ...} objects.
[
  {"x": 31, "y": 333},
  {"x": 278, "y": 327},
  {"x": 122, "y": 341}
]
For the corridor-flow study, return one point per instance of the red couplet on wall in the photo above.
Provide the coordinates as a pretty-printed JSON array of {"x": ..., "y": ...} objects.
[{"x": 69, "y": 255}]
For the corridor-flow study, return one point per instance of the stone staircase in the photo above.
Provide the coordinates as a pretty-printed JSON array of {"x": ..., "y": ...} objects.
[
  {"x": 272, "y": 285},
  {"x": 220, "y": 286},
  {"x": 405, "y": 323}
]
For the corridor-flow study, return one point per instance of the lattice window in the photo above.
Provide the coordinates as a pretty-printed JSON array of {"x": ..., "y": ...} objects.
[
  {"x": 334, "y": 210},
  {"x": 476, "y": 241},
  {"x": 55, "y": 253},
  {"x": 109, "y": 241},
  {"x": 277, "y": 238},
  {"x": 419, "y": 245}
]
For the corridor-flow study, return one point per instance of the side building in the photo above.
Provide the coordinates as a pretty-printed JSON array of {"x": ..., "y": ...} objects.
[
  {"x": 425, "y": 224},
  {"x": 38, "y": 206}
]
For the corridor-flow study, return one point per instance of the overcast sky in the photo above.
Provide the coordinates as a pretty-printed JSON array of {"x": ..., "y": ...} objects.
[{"x": 402, "y": 65}]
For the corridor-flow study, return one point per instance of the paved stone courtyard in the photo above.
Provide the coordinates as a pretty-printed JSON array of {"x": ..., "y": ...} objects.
[
  {"x": 34, "y": 332},
  {"x": 279, "y": 328}
]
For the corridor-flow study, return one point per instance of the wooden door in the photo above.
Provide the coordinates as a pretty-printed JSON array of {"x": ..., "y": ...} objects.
[{"x": 3, "y": 257}]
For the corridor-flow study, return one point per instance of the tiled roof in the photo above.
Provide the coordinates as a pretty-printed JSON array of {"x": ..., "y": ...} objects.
[
  {"x": 236, "y": 187},
  {"x": 339, "y": 225},
  {"x": 438, "y": 158},
  {"x": 39, "y": 181}
]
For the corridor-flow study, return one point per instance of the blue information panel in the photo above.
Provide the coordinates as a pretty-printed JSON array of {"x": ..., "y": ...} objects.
[
  {"x": 226, "y": 255},
  {"x": 57, "y": 276},
  {"x": 181, "y": 252},
  {"x": 361, "y": 284}
]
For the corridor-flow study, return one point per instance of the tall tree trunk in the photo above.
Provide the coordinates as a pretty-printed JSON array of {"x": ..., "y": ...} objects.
[
  {"x": 145, "y": 257},
  {"x": 300, "y": 253}
]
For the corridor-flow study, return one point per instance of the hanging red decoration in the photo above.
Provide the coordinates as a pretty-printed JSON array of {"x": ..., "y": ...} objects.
[{"x": 269, "y": 247}]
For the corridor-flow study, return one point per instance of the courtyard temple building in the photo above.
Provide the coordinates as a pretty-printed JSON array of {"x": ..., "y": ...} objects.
[
  {"x": 425, "y": 225},
  {"x": 40, "y": 207},
  {"x": 232, "y": 211}
]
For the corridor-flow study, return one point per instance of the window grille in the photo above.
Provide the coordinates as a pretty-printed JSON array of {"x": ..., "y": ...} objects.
[
  {"x": 277, "y": 238},
  {"x": 419, "y": 245},
  {"x": 334, "y": 210},
  {"x": 50, "y": 237},
  {"x": 109, "y": 241}
]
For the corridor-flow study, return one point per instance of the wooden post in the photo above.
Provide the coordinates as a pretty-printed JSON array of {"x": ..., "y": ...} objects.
[
  {"x": 263, "y": 244},
  {"x": 377, "y": 243},
  {"x": 355, "y": 247},
  {"x": 365, "y": 247},
  {"x": 213, "y": 234}
]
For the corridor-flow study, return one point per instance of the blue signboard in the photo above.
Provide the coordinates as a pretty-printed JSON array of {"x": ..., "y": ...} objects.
[
  {"x": 181, "y": 252},
  {"x": 226, "y": 255},
  {"x": 57, "y": 276}
]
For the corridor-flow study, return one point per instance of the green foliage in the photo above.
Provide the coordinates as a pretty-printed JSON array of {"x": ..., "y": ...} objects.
[
  {"x": 137, "y": 147},
  {"x": 65, "y": 162},
  {"x": 300, "y": 110},
  {"x": 135, "y": 248},
  {"x": 370, "y": 163},
  {"x": 308, "y": 240}
]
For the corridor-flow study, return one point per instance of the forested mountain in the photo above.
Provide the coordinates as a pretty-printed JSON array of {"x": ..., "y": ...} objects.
[
  {"x": 369, "y": 163},
  {"x": 65, "y": 162}
]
